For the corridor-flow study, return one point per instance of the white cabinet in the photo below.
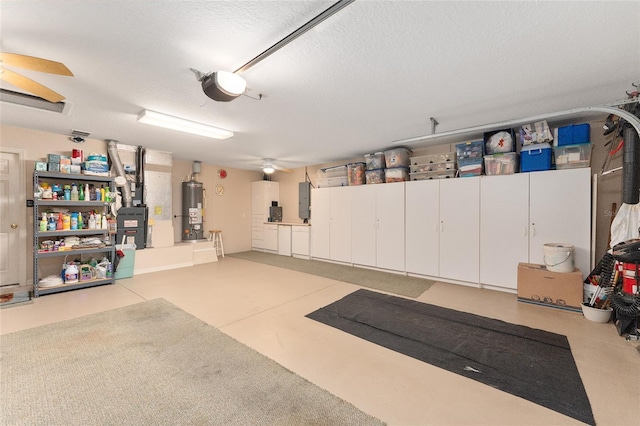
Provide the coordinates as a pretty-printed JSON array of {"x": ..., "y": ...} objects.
[
  {"x": 263, "y": 193},
  {"x": 504, "y": 228},
  {"x": 300, "y": 241},
  {"x": 271, "y": 237},
  {"x": 561, "y": 213},
  {"x": 460, "y": 229},
  {"x": 377, "y": 225},
  {"x": 284, "y": 240},
  {"x": 331, "y": 223},
  {"x": 422, "y": 216}
]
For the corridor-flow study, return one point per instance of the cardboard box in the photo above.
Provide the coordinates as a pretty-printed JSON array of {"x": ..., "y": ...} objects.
[{"x": 558, "y": 290}]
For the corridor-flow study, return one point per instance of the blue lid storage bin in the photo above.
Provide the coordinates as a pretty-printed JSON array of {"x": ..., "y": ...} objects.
[
  {"x": 574, "y": 134},
  {"x": 534, "y": 158},
  {"x": 470, "y": 150}
]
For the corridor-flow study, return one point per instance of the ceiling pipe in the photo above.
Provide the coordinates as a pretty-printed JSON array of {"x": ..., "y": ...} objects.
[
  {"x": 479, "y": 130},
  {"x": 333, "y": 9}
]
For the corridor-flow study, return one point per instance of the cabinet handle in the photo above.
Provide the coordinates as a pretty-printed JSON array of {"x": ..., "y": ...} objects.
[
  {"x": 533, "y": 229},
  {"x": 442, "y": 226}
]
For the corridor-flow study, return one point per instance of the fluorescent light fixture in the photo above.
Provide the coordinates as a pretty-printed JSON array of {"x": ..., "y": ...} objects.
[
  {"x": 268, "y": 169},
  {"x": 182, "y": 125}
]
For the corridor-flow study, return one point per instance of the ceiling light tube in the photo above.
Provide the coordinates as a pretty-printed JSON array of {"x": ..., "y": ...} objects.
[{"x": 182, "y": 125}]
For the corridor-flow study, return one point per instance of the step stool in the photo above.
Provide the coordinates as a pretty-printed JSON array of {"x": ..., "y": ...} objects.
[{"x": 216, "y": 236}]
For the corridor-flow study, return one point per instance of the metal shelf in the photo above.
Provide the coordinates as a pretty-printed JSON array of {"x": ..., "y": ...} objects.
[
  {"x": 38, "y": 236},
  {"x": 67, "y": 203},
  {"x": 76, "y": 252},
  {"x": 75, "y": 286},
  {"x": 70, "y": 232}
]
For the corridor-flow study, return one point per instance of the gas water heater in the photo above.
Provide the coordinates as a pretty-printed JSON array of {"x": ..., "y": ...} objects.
[{"x": 192, "y": 208}]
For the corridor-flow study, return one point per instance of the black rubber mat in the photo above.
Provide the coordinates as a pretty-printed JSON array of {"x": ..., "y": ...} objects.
[{"x": 533, "y": 364}]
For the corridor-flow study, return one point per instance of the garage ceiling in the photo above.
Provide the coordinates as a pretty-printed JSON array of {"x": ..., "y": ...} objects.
[{"x": 371, "y": 74}]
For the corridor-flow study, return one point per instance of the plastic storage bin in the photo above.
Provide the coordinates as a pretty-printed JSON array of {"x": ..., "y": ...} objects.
[
  {"x": 397, "y": 157},
  {"x": 331, "y": 172},
  {"x": 535, "y": 157},
  {"x": 573, "y": 156},
  {"x": 433, "y": 167},
  {"x": 501, "y": 164},
  {"x": 449, "y": 157},
  {"x": 355, "y": 174},
  {"x": 375, "y": 161},
  {"x": 574, "y": 134},
  {"x": 499, "y": 141},
  {"x": 396, "y": 174},
  {"x": 332, "y": 182},
  {"x": 374, "y": 176},
  {"x": 470, "y": 167},
  {"x": 445, "y": 174},
  {"x": 124, "y": 269},
  {"x": 470, "y": 150}
]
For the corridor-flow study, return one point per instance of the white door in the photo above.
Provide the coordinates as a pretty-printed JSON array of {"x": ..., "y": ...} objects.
[
  {"x": 13, "y": 235},
  {"x": 460, "y": 229},
  {"x": 320, "y": 222},
  {"x": 363, "y": 225},
  {"x": 390, "y": 226},
  {"x": 504, "y": 228},
  {"x": 560, "y": 212},
  {"x": 340, "y": 239},
  {"x": 422, "y": 213}
]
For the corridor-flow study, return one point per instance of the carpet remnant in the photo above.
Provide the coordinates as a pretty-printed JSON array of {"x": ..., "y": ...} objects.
[
  {"x": 402, "y": 285},
  {"x": 153, "y": 364},
  {"x": 533, "y": 364}
]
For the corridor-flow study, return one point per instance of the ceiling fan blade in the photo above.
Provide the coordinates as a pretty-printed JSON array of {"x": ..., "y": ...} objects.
[
  {"x": 35, "y": 64},
  {"x": 281, "y": 169},
  {"x": 30, "y": 86}
]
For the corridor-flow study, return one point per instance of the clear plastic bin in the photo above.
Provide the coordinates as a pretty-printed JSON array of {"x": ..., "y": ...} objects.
[
  {"x": 396, "y": 174},
  {"x": 397, "y": 157},
  {"x": 375, "y": 161},
  {"x": 374, "y": 176},
  {"x": 355, "y": 174},
  {"x": 501, "y": 164},
  {"x": 572, "y": 156}
]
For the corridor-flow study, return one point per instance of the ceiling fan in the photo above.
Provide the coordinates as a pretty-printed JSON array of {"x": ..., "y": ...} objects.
[
  {"x": 269, "y": 166},
  {"x": 34, "y": 64}
]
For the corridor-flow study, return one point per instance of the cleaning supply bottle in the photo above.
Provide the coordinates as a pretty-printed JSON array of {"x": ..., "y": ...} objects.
[
  {"x": 43, "y": 222},
  {"x": 102, "y": 198},
  {"x": 92, "y": 221},
  {"x": 66, "y": 222},
  {"x": 74, "y": 221},
  {"x": 81, "y": 194},
  {"x": 59, "y": 223},
  {"x": 80, "y": 220},
  {"x": 67, "y": 193},
  {"x": 51, "y": 225},
  {"x": 74, "y": 192},
  {"x": 104, "y": 222},
  {"x": 87, "y": 193}
]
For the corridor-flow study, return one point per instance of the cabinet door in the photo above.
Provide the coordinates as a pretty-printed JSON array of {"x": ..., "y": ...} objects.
[
  {"x": 271, "y": 237},
  {"x": 363, "y": 231},
  {"x": 340, "y": 238},
  {"x": 504, "y": 228},
  {"x": 422, "y": 213},
  {"x": 300, "y": 240},
  {"x": 561, "y": 213},
  {"x": 284, "y": 240},
  {"x": 390, "y": 226},
  {"x": 320, "y": 220},
  {"x": 460, "y": 229}
]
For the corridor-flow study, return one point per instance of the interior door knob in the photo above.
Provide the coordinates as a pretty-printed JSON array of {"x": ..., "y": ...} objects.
[{"x": 14, "y": 225}]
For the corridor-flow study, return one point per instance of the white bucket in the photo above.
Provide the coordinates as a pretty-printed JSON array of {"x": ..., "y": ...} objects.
[{"x": 559, "y": 257}]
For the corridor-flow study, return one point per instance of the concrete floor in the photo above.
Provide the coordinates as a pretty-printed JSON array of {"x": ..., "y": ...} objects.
[{"x": 264, "y": 307}]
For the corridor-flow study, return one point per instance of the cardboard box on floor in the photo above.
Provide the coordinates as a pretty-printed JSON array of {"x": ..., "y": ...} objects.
[{"x": 552, "y": 289}]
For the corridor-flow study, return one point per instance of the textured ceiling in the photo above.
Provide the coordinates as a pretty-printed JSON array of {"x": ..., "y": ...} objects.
[{"x": 369, "y": 75}]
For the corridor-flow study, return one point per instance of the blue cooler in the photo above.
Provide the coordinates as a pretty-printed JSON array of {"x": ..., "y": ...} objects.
[
  {"x": 536, "y": 157},
  {"x": 574, "y": 134}
]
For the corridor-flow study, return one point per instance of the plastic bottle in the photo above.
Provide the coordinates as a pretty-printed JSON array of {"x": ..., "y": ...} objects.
[
  {"x": 74, "y": 192},
  {"x": 74, "y": 221},
  {"x": 81, "y": 194},
  {"x": 67, "y": 192},
  {"x": 98, "y": 195},
  {"x": 102, "y": 198},
  {"x": 92, "y": 221},
  {"x": 59, "y": 223},
  {"x": 87, "y": 193},
  {"x": 66, "y": 222},
  {"x": 104, "y": 223},
  {"x": 51, "y": 226},
  {"x": 80, "y": 219},
  {"x": 109, "y": 269},
  {"x": 43, "y": 222}
]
